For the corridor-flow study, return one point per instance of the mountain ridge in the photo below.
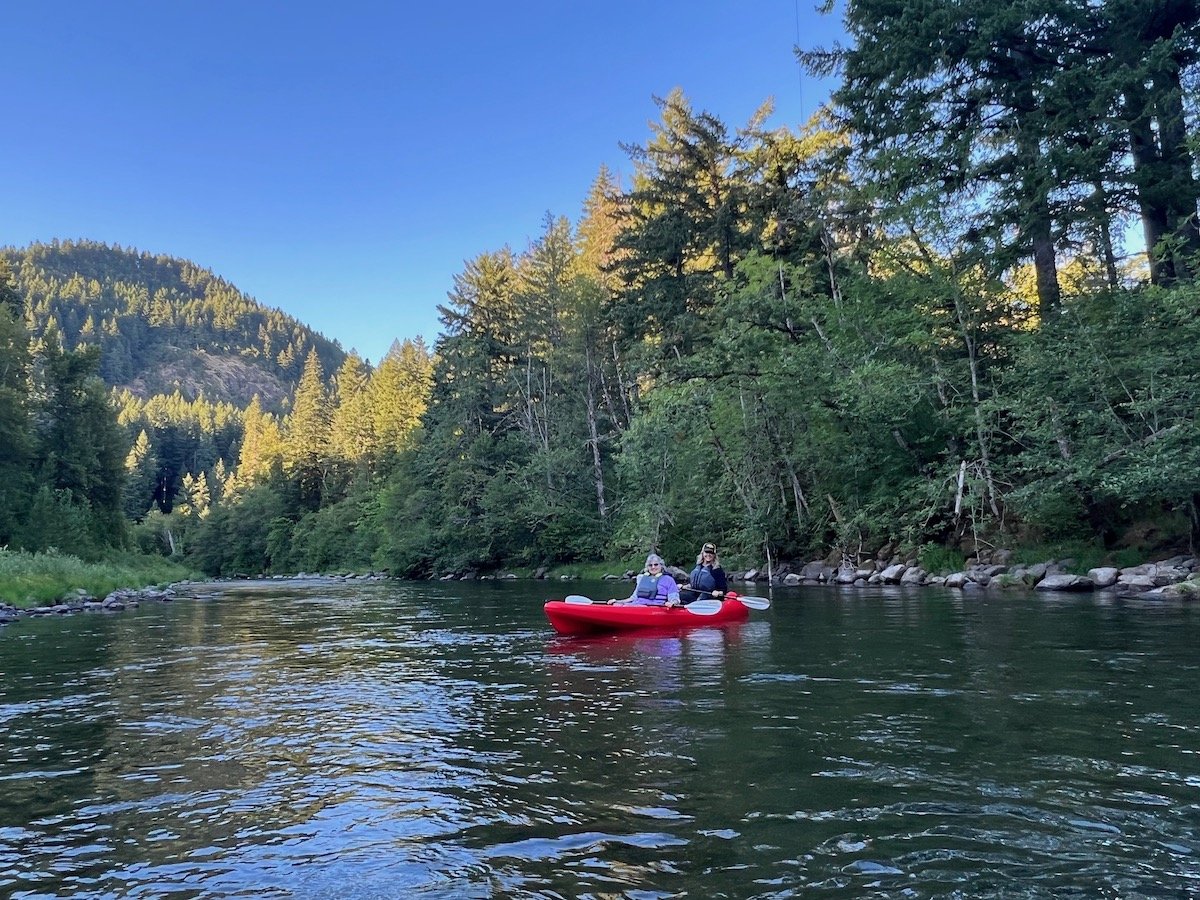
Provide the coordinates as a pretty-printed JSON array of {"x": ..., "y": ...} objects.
[{"x": 163, "y": 323}]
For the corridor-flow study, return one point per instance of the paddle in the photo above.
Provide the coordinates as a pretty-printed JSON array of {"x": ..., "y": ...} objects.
[
  {"x": 751, "y": 602},
  {"x": 699, "y": 608},
  {"x": 704, "y": 607},
  {"x": 755, "y": 602}
]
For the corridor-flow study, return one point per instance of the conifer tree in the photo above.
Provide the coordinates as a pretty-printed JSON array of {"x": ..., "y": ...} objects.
[
  {"x": 15, "y": 475},
  {"x": 352, "y": 437},
  {"x": 307, "y": 456},
  {"x": 141, "y": 477},
  {"x": 261, "y": 452},
  {"x": 398, "y": 395}
]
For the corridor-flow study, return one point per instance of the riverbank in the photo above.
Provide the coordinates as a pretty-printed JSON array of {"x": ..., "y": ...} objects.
[
  {"x": 1174, "y": 576},
  {"x": 54, "y": 584},
  {"x": 34, "y": 580},
  {"x": 1177, "y": 576}
]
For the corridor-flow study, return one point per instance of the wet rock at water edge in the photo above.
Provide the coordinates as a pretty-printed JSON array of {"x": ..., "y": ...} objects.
[{"x": 1065, "y": 583}]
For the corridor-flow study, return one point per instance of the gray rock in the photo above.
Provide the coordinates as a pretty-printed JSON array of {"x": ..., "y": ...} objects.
[
  {"x": 893, "y": 574},
  {"x": 957, "y": 580},
  {"x": 817, "y": 571},
  {"x": 1164, "y": 575},
  {"x": 1065, "y": 583},
  {"x": 1038, "y": 571},
  {"x": 1104, "y": 576},
  {"x": 1135, "y": 583}
]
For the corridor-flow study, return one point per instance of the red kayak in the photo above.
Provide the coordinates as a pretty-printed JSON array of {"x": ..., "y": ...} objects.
[{"x": 584, "y": 618}]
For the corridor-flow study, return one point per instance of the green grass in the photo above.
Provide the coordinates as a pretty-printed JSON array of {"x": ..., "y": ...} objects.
[
  {"x": 35, "y": 579},
  {"x": 941, "y": 560},
  {"x": 589, "y": 571}
]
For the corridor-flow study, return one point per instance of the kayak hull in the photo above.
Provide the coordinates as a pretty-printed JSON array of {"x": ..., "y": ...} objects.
[{"x": 582, "y": 618}]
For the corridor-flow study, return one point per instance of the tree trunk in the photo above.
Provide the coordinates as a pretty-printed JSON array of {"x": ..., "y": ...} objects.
[
  {"x": 594, "y": 435},
  {"x": 1167, "y": 191}
]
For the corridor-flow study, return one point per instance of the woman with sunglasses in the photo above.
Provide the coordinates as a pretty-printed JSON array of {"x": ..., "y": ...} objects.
[
  {"x": 655, "y": 586},
  {"x": 708, "y": 578}
]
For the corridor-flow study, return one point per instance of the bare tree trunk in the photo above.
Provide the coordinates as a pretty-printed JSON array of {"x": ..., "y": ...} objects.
[
  {"x": 594, "y": 434},
  {"x": 966, "y": 332},
  {"x": 624, "y": 394},
  {"x": 985, "y": 462},
  {"x": 1100, "y": 196}
]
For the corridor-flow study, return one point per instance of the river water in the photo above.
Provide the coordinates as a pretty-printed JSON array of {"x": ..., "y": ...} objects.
[{"x": 327, "y": 739}]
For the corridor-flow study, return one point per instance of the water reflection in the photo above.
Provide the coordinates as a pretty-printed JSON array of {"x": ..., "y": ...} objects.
[{"x": 432, "y": 740}]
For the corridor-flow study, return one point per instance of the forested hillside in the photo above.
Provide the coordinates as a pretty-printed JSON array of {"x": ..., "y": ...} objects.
[
  {"x": 958, "y": 308},
  {"x": 163, "y": 324},
  {"x": 185, "y": 351}
]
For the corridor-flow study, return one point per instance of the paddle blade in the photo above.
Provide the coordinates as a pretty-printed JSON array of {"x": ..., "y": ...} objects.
[
  {"x": 578, "y": 599},
  {"x": 755, "y": 602},
  {"x": 704, "y": 607}
]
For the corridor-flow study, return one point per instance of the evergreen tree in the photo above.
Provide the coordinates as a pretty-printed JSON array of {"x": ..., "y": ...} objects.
[
  {"x": 352, "y": 437},
  {"x": 141, "y": 477},
  {"x": 80, "y": 451},
  {"x": 261, "y": 452},
  {"x": 16, "y": 483},
  {"x": 306, "y": 455},
  {"x": 398, "y": 395}
]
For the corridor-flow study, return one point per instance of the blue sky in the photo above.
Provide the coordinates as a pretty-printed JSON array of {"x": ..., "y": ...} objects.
[{"x": 341, "y": 160}]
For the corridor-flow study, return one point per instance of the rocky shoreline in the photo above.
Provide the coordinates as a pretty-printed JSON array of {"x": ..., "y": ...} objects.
[
  {"x": 1177, "y": 577},
  {"x": 80, "y": 601}
]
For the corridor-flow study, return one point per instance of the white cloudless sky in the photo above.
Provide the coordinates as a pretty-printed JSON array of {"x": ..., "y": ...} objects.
[{"x": 342, "y": 160}]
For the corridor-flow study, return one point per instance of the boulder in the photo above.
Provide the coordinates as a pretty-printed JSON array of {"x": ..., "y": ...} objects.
[
  {"x": 1135, "y": 583},
  {"x": 1065, "y": 583},
  {"x": 893, "y": 574},
  {"x": 847, "y": 575},
  {"x": 1104, "y": 576},
  {"x": 817, "y": 571}
]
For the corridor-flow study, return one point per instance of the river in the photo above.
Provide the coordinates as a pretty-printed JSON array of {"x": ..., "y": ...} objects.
[{"x": 328, "y": 739}]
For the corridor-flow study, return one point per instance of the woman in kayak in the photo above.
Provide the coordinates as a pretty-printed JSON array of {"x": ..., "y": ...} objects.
[
  {"x": 708, "y": 578},
  {"x": 655, "y": 586}
]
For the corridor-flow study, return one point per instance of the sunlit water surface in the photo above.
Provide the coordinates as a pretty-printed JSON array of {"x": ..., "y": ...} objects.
[{"x": 438, "y": 740}]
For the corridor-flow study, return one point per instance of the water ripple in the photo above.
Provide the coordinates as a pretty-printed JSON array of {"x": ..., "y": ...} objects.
[{"x": 405, "y": 741}]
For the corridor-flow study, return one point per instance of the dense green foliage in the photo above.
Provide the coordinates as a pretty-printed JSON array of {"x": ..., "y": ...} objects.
[{"x": 911, "y": 324}]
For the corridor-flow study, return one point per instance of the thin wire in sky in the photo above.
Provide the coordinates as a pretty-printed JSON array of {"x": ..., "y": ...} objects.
[{"x": 799, "y": 68}]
